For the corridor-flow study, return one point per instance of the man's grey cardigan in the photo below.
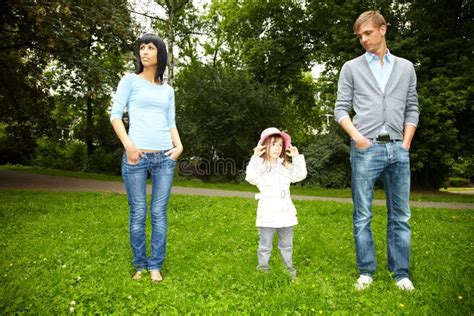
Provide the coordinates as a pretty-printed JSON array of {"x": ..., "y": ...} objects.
[{"x": 396, "y": 106}]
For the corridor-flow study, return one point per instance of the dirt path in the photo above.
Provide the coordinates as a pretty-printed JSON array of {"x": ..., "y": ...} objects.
[{"x": 31, "y": 181}]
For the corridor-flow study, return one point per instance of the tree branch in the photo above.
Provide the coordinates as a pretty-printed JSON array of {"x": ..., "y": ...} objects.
[{"x": 148, "y": 16}]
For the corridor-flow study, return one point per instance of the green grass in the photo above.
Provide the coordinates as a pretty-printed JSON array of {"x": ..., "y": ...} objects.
[
  {"x": 433, "y": 196},
  {"x": 62, "y": 247}
]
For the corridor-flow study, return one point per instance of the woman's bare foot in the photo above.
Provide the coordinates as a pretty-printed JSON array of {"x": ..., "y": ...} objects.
[
  {"x": 156, "y": 276},
  {"x": 137, "y": 276}
]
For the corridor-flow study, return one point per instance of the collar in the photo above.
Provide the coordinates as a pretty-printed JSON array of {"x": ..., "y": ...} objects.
[{"x": 371, "y": 56}]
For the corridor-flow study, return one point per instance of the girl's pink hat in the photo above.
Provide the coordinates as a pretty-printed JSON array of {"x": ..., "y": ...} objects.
[{"x": 275, "y": 131}]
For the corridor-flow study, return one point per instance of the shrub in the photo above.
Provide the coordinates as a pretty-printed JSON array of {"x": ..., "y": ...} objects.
[
  {"x": 104, "y": 162},
  {"x": 69, "y": 156},
  {"x": 327, "y": 160},
  {"x": 458, "y": 182}
]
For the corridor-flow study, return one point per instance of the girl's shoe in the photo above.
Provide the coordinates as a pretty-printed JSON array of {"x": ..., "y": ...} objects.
[
  {"x": 363, "y": 282},
  {"x": 137, "y": 276},
  {"x": 156, "y": 276},
  {"x": 405, "y": 285}
]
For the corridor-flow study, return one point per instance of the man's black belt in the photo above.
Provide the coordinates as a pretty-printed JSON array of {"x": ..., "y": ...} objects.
[{"x": 382, "y": 139}]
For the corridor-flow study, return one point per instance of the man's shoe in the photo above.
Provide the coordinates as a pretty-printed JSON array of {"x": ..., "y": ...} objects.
[
  {"x": 405, "y": 284},
  {"x": 363, "y": 282}
]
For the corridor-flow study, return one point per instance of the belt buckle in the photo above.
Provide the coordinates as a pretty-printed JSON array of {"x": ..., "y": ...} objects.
[{"x": 383, "y": 138}]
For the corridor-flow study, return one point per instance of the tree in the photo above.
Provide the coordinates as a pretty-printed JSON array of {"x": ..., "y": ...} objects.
[
  {"x": 82, "y": 39},
  {"x": 220, "y": 114},
  {"x": 176, "y": 11},
  {"x": 269, "y": 40},
  {"x": 442, "y": 52},
  {"x": 23, "y": 56},
  {"x": 96, "y": 62},
  {"x": 436, "y": 36}
]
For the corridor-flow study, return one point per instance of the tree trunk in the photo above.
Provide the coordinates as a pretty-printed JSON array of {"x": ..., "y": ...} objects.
[
  {"x": 89, "y": 125},
  {"x": 171, "y": 7},
  {"x": 170, "y": 45}
]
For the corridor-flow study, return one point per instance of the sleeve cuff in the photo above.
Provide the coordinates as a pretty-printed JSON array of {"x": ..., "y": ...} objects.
[
  {"x": 298, "y": 159},
  {"x": 341, "y": 118},
  {"x": 115, "y": 117}
]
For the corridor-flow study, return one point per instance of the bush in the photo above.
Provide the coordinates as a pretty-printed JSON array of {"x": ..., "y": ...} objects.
[
  {"x": 68, "y": 156},
  {"x": 458, "y": 182},
  {"x": 327, "y": 160},
  {"x": 224, "y": 120},
  {"x": 104, "y": 162},
  {"x": 73, "y": 156},
  {"x": 464, "y": 168}
]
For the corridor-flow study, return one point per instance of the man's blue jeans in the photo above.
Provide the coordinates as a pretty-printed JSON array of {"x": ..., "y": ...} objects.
[
  {"x": 161, "y": 169},
  {"x": 392, "y": 162}
]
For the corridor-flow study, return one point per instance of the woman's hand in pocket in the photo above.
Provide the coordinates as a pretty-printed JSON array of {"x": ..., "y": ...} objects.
[
  {"x": 133, "y": 154},
  {"x": 174, "y": 153}
]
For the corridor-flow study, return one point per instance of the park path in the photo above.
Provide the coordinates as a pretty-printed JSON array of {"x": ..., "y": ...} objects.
[{"x": 38, "y": 182}]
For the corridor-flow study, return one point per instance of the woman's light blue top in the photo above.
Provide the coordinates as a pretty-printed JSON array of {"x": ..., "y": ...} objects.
[{"x": 151, "y": 111}]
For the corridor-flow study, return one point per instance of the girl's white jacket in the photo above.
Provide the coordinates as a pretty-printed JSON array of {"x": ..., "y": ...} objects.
[{"x": 275, "y": 208}]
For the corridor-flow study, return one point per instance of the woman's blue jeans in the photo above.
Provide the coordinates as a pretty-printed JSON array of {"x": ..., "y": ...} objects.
[
  {"x": 392, "y": 162},
  {"x": 160, "y": 168}
]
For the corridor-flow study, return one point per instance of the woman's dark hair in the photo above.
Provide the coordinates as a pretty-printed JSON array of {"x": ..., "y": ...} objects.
[{"x": 162, "y": 54}]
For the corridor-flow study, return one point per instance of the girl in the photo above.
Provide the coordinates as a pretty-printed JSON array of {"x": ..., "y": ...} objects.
[
  {"x": 272, "y": 173},
  {"x": 151, "y": 147}
]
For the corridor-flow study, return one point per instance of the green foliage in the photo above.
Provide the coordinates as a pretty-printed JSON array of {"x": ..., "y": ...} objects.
[
  {"x": 458, "y": 182},
  {"x": 72, "y": 155},
  {"x": 464, "y": 167},
  {"x": 76, "y": 250},
  {"x": 26, "y": 105},
  {"x": 186, "y": 24},
  {"x": 435, "y": 36},
  {"x": 442, "y": 53},
  {"x": 102, "y": 161},
  {"x": 68, "y": 156},
  {"x": 437, "y": 144},
  {"x": 327, "y": 162},
  {"x": 269, "y": 40},
  {"x": 221, "y": 113},
  {"x": 73, "y": 49}
]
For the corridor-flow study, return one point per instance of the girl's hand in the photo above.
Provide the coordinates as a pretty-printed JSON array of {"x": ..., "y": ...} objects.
[
  {"x": 292, "y": 151},
  {"x": 133, "y": 154},
  {"x": 259, "y": 150},
  {"x": 175, "y": 152}
]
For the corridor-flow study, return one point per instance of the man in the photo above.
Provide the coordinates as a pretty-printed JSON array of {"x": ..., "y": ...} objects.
[{"x": 381, "y": 88}]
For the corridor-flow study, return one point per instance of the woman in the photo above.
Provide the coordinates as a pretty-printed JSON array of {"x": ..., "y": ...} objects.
[{"x": 152, "y": 147}]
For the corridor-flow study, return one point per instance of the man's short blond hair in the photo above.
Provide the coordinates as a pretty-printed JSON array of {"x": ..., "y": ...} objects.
[{"x": 374, "y": 16}]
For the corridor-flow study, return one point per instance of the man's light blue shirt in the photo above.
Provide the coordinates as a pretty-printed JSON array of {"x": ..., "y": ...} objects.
[{"x": 380, "y": 72}]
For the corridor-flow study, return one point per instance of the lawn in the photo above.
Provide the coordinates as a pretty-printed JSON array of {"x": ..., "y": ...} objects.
[
  {"x": 433, "y": 196},
  {"x": 69, "y": 252}
]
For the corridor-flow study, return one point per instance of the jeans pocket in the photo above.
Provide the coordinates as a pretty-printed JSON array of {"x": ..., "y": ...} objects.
[
  {"x": 361, "y": 150},
  {"x": 125, "y": 161},
  {"x": 403, "y": 148},
  {"x": 170, "y": 159}
]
